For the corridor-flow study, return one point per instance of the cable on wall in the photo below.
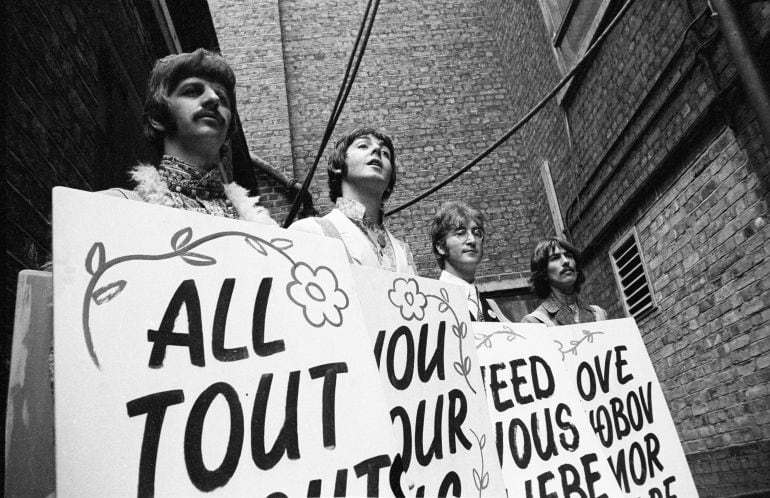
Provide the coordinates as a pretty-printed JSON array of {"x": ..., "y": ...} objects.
[
  {"x": 354, "y": 61},
  {"x": 579, "y": 66}
]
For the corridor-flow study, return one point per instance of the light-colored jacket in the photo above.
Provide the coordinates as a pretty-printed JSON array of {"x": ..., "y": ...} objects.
[{"x": 356, "y": 242}]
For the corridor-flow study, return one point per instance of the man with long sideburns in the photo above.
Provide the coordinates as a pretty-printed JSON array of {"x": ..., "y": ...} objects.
[
  {"x": 556, "y": 278},
  {"x": 189, "y": 117}
]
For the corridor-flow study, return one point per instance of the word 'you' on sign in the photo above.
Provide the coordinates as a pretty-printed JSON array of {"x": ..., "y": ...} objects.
[{"x": 426, "y": 356}]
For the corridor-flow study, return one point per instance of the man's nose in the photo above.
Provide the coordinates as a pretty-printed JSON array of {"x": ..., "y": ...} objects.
[{"x": 210, "y": 97}]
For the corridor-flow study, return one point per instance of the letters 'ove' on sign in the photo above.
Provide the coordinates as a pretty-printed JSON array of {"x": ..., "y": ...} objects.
[{"x": 578, "y": 411}]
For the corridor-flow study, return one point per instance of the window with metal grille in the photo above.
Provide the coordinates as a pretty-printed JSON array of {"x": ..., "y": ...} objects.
[{"x": 632, "y": 276}]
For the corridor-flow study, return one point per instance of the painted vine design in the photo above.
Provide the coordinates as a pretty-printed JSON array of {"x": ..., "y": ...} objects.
[
  {"x": 315, "y": 290},
  {"x": 480, "y": 477},
  {"x": 588, "y": 336},
  {"x": 411, "y": 302},
  {"x": 485, "y": 340}
]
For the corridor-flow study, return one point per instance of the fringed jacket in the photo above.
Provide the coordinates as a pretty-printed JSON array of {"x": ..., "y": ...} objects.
[{"x": 177, "y": 184}]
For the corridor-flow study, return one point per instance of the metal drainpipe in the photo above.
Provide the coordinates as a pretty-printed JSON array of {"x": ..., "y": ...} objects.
[{"x": 745, "y": 63}]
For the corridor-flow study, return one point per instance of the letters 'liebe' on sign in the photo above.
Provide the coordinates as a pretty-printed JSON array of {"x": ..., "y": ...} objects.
[
  {"x": 201, "y": 355},
  {"x": 425, "y": 352},
  {"x": 578, "y": 411}
]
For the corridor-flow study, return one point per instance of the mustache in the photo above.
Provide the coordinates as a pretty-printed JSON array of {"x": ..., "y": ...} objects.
[{"x": 208, "y": 113}]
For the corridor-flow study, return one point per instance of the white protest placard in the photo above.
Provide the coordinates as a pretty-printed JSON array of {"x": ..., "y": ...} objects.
[
  {"x": 29, "y": 436},
  {"x": 616, "y": 381},
  {"x": 603, "y": 369},
  {"x": 197, "y": 354},
  {"x": 426, "y": 356},
  {"x": 543, "y": 437}
]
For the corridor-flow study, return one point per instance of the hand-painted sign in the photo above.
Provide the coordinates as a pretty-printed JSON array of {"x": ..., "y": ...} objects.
[
  {"x": 578, "y": 411},
  {"x": 425, "y": 353},
  {"x": 197, "y": 354}
]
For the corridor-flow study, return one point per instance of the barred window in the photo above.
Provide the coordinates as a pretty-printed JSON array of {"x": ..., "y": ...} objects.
[{"x": 632, "y": 276}]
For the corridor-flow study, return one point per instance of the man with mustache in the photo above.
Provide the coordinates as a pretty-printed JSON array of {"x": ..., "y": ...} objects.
[
  {"x": 457, "y": 237},
  {"x": 556, "y": 278},
  {"x": 362, "y": 174},
  {"x": 189, "y": 116}
]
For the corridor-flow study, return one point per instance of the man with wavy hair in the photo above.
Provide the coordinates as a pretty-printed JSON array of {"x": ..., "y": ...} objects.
[
  {"x": 362, "y": 174},
  {"x": 556, "y": 278},
  {"x": 189, "y": 116}
]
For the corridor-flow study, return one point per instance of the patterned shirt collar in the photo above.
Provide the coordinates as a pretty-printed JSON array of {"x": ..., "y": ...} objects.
[
  {"x": 189, "y": 172},
  {"x": 355, "y": 211},
  {"x": 378, "y": 237},
  {"x": 185, "y": 178}
]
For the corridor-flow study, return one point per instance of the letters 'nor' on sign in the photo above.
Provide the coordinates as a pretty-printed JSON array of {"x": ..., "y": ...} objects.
[{"x": 203, "y": 355}]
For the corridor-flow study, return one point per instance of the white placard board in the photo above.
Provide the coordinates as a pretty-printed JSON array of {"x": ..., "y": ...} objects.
[
  {"x": 202, "y": 355},
  {"x": 29, "y": 436},
  {"x": 426, "y": 355},
  {"x": 580, "y": 408}
]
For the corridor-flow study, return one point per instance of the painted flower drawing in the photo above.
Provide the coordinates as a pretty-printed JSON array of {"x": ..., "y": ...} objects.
[
  {"x": 406, "y": 296},
  {"x": 317, "y": 292}
]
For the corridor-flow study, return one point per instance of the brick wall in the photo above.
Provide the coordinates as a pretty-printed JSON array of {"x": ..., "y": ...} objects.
[
  {"x": 704, "y": 238},
  {"x": 522, "y": 49},
  {"x": 661, "y": 138},
  {"x": 426, "y": 80},
  {"x": 74, "y": 85},
  {"x": 250, "y": 39}
]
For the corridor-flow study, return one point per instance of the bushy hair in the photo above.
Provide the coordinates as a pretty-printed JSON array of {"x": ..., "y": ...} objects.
[
  {"x": 338, "y": 170},
  {"x": 166, "y": 75},
  {"x": 539, "y": 265},
  {"x": 449, "y": 217}
]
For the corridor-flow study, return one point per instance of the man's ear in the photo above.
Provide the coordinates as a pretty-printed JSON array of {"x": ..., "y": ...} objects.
[
  {"x": 441, "y": 249},
  {"x": 156, "y": 124}
]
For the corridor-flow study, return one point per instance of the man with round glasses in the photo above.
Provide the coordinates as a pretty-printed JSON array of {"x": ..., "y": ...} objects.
[{"x": 457, "y": 236}]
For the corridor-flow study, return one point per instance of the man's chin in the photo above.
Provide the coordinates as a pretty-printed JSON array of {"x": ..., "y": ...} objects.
[{"x": 565, "y": 286}]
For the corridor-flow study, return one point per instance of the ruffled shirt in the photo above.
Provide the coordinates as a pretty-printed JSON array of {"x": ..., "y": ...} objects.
[
  {"x": 176, "y": 183},
  {"x": 367, "y": 243},
  {"x": 193, "y": 190},
  {"x": 375, "y": 232}
]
